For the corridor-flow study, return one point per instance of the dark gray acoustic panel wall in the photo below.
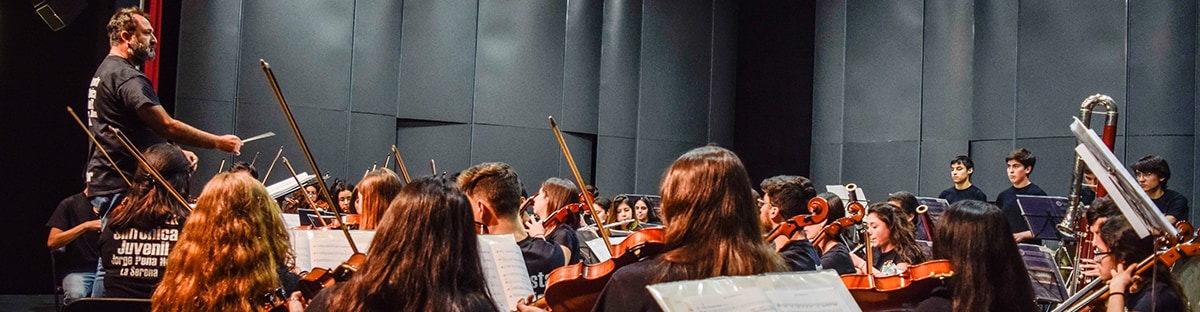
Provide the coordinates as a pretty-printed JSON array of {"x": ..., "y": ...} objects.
[
  {"x": 466, "y": 82},
  {"x": 996, "y": 75},
  {"x": 437, "y": 60}
]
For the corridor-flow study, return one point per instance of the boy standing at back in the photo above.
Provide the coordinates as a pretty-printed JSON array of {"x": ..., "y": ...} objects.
[
  {"x": 961, "y": 168},
  {"x": 1020, "y": 165}
]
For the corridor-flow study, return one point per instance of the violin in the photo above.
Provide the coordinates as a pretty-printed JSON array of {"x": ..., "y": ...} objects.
[
  {"x": 857, "y": 212},
  {"x": 320, "y": 278},
  {"x": 559, "y": 216},
  {"x": 274, "y": 301},
  {"x": 576, "y": 287},
  {"x": 819, "y": 208},
  {"x": 910, "y": 286}
]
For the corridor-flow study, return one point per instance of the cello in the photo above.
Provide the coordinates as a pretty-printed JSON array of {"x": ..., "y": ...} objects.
[
  {"x": 818, "y": 206},
  {"x": 857, "y": 212}
]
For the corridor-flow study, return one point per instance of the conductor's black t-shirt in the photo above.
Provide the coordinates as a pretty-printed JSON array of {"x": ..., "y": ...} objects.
[{"x": 115, "y": 94}]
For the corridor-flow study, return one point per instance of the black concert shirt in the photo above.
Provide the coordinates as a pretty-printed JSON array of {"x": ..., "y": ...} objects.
[
  {"x": 541, "y": 257},
  {"x": 565, "y": 235},
  {"x": 115, "y": 94},
  {"x": 952, "y": 194},
  {"x": 134, "y": 260},
  {"x": 81, "y": 253}
]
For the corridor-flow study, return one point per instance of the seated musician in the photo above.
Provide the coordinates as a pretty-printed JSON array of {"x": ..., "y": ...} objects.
[
  {"x": 495, "y": 193},
  {"x": 644, "y": 212},
  {"x": 603, "y": 204},
  {"x": 622, "y": 210},
  {"x": 1020, "y": 165},
  {"x": 557, "y": 193},
  {"x": 834, "y": 253},
  {"x": 237, "y": 222},
  {"x": 145, "y": 227},
  {"x": 344, "y": 194},
  {"x": 961, "y": 169},
  {"x": 244, "y": 167},
  {"x": 1119, "y": 250},
  {"x": 1099, "y": 211},
  {"x": 908, "y": 204},
  {"x": 429, "y": 263},
  {"x": 74, "y": 229},
  {"x": 1153, "y": 173},
  {"x": 785, "y": 197},
  {"x": 989, "y": 273},
  {"x": 893, "y": 247},
  {"x": 708, "y": 212},
  {"x": 293, "y": 203},
  {"x": 375, "y": 193}
]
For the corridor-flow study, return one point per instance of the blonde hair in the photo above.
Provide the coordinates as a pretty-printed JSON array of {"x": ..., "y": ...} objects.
[{"x": 230, "y": 251}]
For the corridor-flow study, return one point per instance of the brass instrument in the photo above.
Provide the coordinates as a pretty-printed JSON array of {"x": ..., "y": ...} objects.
[{"x": 1074, "y": 224}]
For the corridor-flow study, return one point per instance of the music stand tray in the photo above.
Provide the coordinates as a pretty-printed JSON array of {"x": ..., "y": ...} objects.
[
  {"x": 1043, "y": 213},
  {"x": 1043, "y": 273}
]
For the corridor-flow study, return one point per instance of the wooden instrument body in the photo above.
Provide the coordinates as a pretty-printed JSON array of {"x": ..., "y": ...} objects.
[
  {"x": 894, "y": 291},
  {"x": 576, "y": 287},
  {"x": 320, "y": 278}
]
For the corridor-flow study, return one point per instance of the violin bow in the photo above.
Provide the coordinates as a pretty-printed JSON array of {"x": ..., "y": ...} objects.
[
  {"x": 852, "y": 195},
  {"x": 304, "y": 147},
  {"x": 153, "y": 172},
  {"x": 587, "y": 197},
  {"x": 277, "y": 154},
  {"x": 310, "y": 201},
  {"x": 400, "y": 164},
  {"x": 98, "y": 146}
]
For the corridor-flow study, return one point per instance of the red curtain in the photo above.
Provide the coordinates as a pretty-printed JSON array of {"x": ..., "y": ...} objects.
[{"x": 154, "y": 8}]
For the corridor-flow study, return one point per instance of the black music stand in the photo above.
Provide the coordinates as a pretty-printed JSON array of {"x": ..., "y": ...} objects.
[
  {"x": 1043, "y": 273},
  {"x": 309, "y": 217},
  {"x": 1043, "y": 213},
  {"x": 937, "y": 206}
]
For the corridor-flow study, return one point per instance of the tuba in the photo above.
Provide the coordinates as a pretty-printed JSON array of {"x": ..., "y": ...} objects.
[{"x": 1073, "y": 224}]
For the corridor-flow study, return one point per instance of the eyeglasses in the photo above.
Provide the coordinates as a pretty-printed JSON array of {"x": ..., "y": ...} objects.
[{"x": 1096, "y": 253}]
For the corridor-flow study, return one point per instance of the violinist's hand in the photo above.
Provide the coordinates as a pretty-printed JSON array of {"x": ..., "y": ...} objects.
[
  {"x": 1121, "y": 278},
  {"x": 535, "y": 228},
  {"x": 1090, "y": 267},
  {"x": 296, "y": 302},
  {"x": 93, "y": 225},
  {"x": 522, "y": 307},
  {"x": 192, "y": 159}
]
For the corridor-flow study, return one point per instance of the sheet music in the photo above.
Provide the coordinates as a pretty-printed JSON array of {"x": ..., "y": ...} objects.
[
  {"x": 598, "y": 249},
  {"x": 1135, "y": 204},
  {"x": 841, "y": 192},
  {"x": 504, "y": 268},
  {"x": 326, "y": 248},
  {"x": 793, "y": 291}
]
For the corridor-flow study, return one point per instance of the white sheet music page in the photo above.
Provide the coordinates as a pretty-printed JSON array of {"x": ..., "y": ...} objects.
[
  {"x": 821, "y": 291},
  {"x": 504, "y": 268}
]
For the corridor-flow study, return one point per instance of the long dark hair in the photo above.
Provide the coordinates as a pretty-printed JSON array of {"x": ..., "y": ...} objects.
[
  {"x": 559, "y": 193},
  {"x": 1126, "y": 247},
  {"x": 425, "y": 256},
  {"x": 902, "y": 237},
  {"x": 149, "y": 204},
  {"x": 712, "y": 223},
  {"x": 989, "y": 274}
]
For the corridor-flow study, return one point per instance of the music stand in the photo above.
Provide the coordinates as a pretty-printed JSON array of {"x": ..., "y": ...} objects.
[
  {"x": 937, "y": 206},
  {"x": 1043, "y": 213},
  {"x": 308, "y": 216},
  {"x": 1043, "y": 274},
  {"x": 1135, "y": 204}
]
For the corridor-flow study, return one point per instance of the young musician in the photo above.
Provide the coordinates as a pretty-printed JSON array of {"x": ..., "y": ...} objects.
[
  {"x": 1119, "y": 250},
  {"x": 1153, "y": 172},
  {"x": 345, "y": 195},
  {"x": 908, "y": 204},
  {"x": 961, "y": 168},
  {"x": 785, "y": 197},
  {"x": 297, "y": 201},
  {"x": 75, "y": 227},
  {"x": 237, "y": 224},
  {"x": 643, "y": 211},
  {"x": 555, "y": 194},
  {"x": 893, "y": 248},
  {"x": 143, "y": 230},
  {"x": 375, "y": 193},
  {"x": 834, "y": 254},
  {"x": 989, "y": 273},
  {"x": 495, "y": 193},
  {"x": 430, "y": 261},
  {"x": 1020, "y": 165},
  {"x": 622, "y": 210},
  {"x": 1099, "y": 211},
  {"x": 711, "y": 230},
  {"x": 244, "y": 167}
]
